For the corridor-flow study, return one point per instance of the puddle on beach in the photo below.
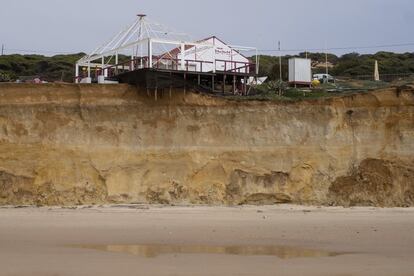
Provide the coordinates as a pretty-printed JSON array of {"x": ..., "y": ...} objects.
[{"x": 152, "y": 251}]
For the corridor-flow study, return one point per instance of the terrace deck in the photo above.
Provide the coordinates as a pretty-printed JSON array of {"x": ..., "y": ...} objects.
[{"x": 220, "y": 81}]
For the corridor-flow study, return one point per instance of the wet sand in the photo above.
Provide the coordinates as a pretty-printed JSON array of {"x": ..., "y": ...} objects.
[{"x": 156, "y": 240}]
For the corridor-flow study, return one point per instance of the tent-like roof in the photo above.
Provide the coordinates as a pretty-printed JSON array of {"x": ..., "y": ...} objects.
[{"x": 140, "y": 30}]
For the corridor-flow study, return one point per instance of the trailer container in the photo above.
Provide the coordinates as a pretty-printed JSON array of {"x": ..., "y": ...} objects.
[{"x": 300, "y": 71}]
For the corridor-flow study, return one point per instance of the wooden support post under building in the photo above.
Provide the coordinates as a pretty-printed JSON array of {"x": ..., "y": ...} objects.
[
  {"x": 245, "y": 86},
  {"x": 199, "y": 79},
  {"x": 156, "y": 89},
  {"x": 212, "y": 83},
  {"x": 185, "y": 83},
  {"x": 170, "y": 84},
  {"x": 224, "y": 84},
  {"x": 234, "y": 84}
]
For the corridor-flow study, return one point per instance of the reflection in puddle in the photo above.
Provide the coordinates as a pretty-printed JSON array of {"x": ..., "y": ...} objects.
[{"x": 152, "y": 251}]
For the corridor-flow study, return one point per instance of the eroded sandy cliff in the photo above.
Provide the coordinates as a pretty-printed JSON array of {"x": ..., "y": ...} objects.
[{"x": 90, "y": 144}]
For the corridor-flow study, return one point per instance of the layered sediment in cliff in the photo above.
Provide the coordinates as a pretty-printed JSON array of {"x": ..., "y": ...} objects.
[{"x": 93, "y": 144}]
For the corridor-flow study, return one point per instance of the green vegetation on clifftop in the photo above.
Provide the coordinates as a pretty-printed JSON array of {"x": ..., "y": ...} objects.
[
  {"x": 55, "y": 68},
  {"x": 349, "y": 65},
  {"x": 61, "y": 67}
]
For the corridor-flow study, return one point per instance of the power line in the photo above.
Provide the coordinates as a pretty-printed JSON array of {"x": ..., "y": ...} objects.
[
  {"x": 339, "y": 48},
  {"x": 343, "y": 48},
  {"x": 34, "y": 51},
  {"x": 5, "y": 50}
]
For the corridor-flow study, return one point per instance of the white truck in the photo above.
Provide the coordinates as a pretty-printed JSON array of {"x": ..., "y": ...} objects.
[{"x": 324, "y": 78}]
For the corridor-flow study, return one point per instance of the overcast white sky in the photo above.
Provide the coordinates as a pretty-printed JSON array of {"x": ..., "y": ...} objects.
[{"x": 81, "y": 25}]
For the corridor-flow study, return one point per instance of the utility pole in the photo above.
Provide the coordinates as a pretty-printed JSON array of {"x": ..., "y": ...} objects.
[
  {"x": 2, "y": 49},
  {"x": 326, "y": 58},
  {"x": 280, "y": 70}
]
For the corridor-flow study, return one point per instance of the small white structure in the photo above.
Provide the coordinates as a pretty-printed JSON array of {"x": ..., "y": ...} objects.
[
  {"x": 300, "y": 71},
  {"x": 256, "y": 81},
  {"x": 376, "y": 71}
]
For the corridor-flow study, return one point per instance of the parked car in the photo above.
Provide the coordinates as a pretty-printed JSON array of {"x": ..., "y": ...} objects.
[{"x": 324, "y": 78}]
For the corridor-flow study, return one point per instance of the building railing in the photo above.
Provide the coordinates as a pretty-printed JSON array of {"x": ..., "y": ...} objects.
[
  {"x": 237, "y": 66},
  {"x": 174, "y": 64}
]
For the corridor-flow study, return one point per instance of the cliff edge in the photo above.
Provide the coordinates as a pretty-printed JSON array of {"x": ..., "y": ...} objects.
[{"x": 93, "y": 144}]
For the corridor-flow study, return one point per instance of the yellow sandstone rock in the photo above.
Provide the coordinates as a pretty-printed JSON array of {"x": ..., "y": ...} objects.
[{"x": 93, "y": 144}]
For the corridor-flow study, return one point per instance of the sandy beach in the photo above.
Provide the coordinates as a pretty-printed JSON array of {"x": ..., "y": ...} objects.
[{"x": 157, "y": 240}]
